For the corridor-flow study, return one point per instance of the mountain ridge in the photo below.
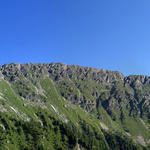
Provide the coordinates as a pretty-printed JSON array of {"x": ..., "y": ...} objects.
[{"x": 72, "y": 65}]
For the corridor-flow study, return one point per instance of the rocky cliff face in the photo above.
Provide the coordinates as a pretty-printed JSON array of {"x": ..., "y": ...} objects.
[{"x": 58, "y": 71}]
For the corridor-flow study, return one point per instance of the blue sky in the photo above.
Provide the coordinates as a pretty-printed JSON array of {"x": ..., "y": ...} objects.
[{"x": 109, "y": 34}]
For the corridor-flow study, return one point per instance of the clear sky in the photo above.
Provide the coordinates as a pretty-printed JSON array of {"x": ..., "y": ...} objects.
[{"x": 109, "y": 34}]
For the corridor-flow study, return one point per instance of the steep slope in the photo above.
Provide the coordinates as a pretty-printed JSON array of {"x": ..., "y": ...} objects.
[{"x": 114, "y": 110}]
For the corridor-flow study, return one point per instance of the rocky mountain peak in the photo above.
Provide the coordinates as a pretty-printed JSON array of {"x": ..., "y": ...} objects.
[{"x": 60, "y": 70}]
